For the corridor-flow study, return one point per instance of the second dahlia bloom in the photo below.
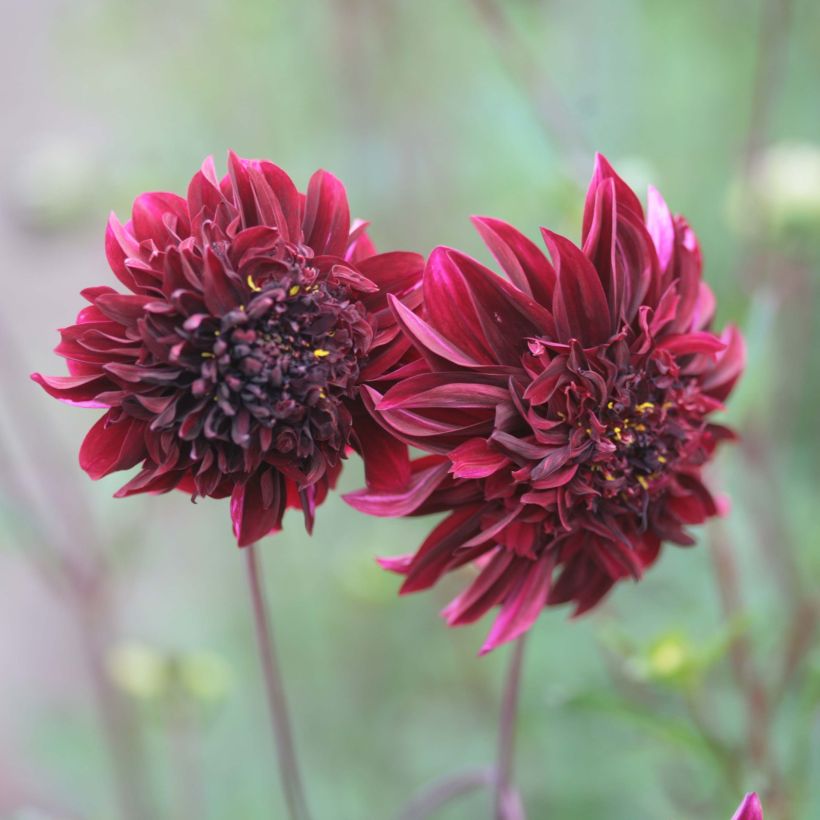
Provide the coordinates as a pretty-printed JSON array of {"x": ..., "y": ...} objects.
[
  {"x": 565, "y": 409},
  {"x": 232, "y": 364}
]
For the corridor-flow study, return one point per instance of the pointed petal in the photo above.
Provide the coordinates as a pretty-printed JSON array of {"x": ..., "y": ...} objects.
[
  {"x": 497, "y": 576},
  {"x": 112, "y": 444},
  {"x": 160, "y": 217},
  {"x": 626, "y": 198},
  {"x": 660, "y": 226},
  {"x": 449, "y": 305},
  {"x": 121, "y": 245},
  {"x": 257, "y": 506},
  {"x": 77, "y": 390},
  {"x": 580, "y": 307},
  {"x": 386, "y": 459},
  {"x": 326, "y": 222},
  {"x": 394, "y": 504},
  {"x": 435, "y": 555},
  {"x": 523, "y": 605},
  {"x": 520, "y": 258},
  {"x": 395, "y": 272},
  {"x": 682, "y": 344},
  {"x": 476, "y": 459},
  {"x": 242, "y": 190},
  {"x": 288, "y": 200},
  {"x": 427, "y": 339},
  {"x": 204, "y": 195},
  {"x": 721, "y": 379}
]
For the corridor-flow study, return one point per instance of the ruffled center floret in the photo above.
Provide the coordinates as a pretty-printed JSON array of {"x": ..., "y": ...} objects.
[
  {"x": 614, "y": 436},
  {"x": 273, "y": 373}
]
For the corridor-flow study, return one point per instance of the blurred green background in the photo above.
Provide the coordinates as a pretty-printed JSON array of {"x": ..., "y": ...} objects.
[{"x": 675, "y": 696}]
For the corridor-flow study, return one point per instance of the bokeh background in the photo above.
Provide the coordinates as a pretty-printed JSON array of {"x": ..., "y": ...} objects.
[{"x": 126, "y": 644}]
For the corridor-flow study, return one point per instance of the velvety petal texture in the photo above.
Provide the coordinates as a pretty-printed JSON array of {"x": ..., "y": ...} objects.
[
  {"x": 565, "y": 409},
  {"x": 231, "y": 364}
]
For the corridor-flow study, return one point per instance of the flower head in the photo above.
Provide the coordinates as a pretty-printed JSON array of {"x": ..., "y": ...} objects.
[
  {"x": 749, "y": 809},
  {"x": 232, "y": 365},
  {"x": 565, "y": 410}
]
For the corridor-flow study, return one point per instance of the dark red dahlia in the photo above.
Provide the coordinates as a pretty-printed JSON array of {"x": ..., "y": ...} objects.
[
  {"x": 566, "y": 410},
  {"x": 232, "y": 367}
]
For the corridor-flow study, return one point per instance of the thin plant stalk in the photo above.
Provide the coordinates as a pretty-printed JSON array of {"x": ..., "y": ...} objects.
[
  {"x": 443, "y": 791},
  {"x": 66, "y": 553},
  {"x": 506, "y": 801},
  {"x": 557, "y": 120},
  {"x": 117, "y": 726},
  {"x": 775, "y": 19},
  {"x": 275, "y": 693}
]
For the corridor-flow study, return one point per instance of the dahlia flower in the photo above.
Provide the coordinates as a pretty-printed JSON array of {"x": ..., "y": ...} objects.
[
  {"x": 231, "y": 366},
  {"x": 749, "y": 809},
  {"x": 565, "y": 410}
]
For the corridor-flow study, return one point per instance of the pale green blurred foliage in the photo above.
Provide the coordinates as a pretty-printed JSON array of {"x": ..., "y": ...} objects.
[
  {"x": 671, "y": 658},
  {"x": 781, "y": 196},
  {"x": 139, "y": 670},
  {"x": 146, "y": 673}
]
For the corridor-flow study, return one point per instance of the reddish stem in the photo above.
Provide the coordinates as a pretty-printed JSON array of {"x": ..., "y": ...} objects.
[
  {"x": 506, "y": 802},
  {"x": 275, "y": 691}
]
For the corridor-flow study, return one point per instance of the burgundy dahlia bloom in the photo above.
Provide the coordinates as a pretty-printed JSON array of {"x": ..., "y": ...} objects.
[
  {"x": 232, "y": 366},
  {"x": 749, "y": 809},
  {"x": 566, "y": 411}
]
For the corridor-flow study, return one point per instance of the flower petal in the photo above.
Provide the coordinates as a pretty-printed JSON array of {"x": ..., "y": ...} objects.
[
  {"x": 326, "y": 222},
  {"x": 427, "y": 339},
  {"x": 523, "y": 604},
  {"x": 520, "y": 258},
  {"x": 476, "y": 459},
  {"x": 580, "y": 307},
  {"x": 77, "y": 390},
  {"x": 257, "y": 506},
  {"x": 113, "y": 443},
  {"x": 400, "y": 503}
]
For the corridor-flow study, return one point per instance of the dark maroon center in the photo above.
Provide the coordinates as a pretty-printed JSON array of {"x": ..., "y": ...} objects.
[
  {"x": 274, "y": 371},
  {"x": 643, "y": 435}
]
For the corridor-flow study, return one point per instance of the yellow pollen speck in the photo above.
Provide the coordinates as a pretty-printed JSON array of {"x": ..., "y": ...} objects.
[
  {"x": 608, "y": 476},
  {"x": 589, "y": 431},
  {"x": 294, "y": 289},
  {"x": 640, "y": 427},
  {"x": 242, "y": 308},
  {"x": 617, "y": 431},
  {"x": 252, "y": 285},
  {"x": 667, "y": 404},
  {"x": 644, "y": 406},
  {"x": 643, "y": 482},
  {"x": 319, "y": 353},
  {"x": 206, "y": 355},
  {"x": 217, "y": 333},
  {"x": 662, "y": 459},
  {"x": 610, "y": 404},
  {"x": 322, "y": 394}
]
